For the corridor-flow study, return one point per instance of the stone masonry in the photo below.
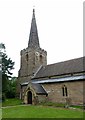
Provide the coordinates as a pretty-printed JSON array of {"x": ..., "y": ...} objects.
[
  {"x": 74, "y": 91},
  {"x": 32, "y": 58}
]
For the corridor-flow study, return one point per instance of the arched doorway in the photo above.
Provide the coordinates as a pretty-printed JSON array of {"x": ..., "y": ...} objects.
[{"x": 29, "y": 97}]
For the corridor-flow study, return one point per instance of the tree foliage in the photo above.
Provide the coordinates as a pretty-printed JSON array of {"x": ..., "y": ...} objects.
[
  {"x": 6, "y": 65},
  {"x": 11, "y": 88}
]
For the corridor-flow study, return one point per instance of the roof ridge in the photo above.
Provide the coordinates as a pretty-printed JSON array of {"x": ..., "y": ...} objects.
[
  {"x": 37, "y": 71},
  {"x": 60, "y": 68},
  {"x": 65, "y": 61}
]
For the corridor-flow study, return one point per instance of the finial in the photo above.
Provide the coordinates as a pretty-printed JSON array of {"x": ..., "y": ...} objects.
[{"x": 33, "y": 9}]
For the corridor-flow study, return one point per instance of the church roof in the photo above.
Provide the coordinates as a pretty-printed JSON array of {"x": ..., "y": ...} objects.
[
  {"x": 56, "y": 80},
  {"x": 33, "y": 37},
  {"x": 39, "y": 89},
  {"x": 62, "y": 68}
]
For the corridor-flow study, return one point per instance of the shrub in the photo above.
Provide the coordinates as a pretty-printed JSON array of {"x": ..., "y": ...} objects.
[{"x": 3, "y": 97}]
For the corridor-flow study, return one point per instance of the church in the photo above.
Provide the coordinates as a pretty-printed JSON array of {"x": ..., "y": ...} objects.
[{"x": 38, "y": 82}]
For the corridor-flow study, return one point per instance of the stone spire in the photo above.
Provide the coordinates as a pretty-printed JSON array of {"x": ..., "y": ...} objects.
[{"x": 33, "y": 37}]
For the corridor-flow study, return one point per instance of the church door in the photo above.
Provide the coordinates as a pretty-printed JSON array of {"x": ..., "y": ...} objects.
[{"x": 29, "y": 97}]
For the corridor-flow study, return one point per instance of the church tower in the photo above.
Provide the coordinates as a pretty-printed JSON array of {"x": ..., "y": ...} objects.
[{"x": 33, "y": 57}]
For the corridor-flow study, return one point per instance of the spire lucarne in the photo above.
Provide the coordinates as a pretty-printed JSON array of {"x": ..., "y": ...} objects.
[{"x": 33, "y": 37}]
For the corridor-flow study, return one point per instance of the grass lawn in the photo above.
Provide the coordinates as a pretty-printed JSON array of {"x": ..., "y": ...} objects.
[
  {"x": 0, "y": 113},
  {"x": 11, "y": 102},
  {"x": 40, "y": 112}
]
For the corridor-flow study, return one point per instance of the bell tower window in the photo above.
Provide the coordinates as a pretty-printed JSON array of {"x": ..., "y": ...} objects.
[
  {"x": 40, "y": 58},
  {"x": 26, "y": 57},
  {"x": 37, "y": 56}
]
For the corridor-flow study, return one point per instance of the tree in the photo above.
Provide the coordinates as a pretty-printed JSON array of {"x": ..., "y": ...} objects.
[
  {"x": 6, "y": 65},
  {"x": 11, "y": 88}
]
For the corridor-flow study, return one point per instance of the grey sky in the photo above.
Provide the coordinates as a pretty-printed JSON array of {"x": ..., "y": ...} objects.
[{"x": 59, "y": 23}]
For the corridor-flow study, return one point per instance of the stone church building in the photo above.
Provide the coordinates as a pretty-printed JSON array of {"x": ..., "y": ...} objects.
[{"x": 38, "y": 82}]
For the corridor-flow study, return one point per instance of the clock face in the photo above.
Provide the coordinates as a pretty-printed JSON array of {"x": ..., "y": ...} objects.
[{"x": 37, "y": 53}]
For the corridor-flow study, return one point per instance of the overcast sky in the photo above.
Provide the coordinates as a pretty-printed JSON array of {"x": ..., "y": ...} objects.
[{"x": 59, "y": 23}]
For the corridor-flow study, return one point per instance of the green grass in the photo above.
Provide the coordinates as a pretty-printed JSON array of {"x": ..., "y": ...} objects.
[
  {"x": 11, "y": 102},
  {"x": 76, "y": 106},
  {"x": 45, "y": 110},
  {"x": 0, "y": 114},
  {"x": 40, "y": 112}
]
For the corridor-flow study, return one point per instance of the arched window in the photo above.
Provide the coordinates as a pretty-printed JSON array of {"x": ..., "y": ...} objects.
[
  {"x": 26, "y": 57},
  {"x": 64, "y": 91},
  {"x": 41, "y": 57},
  {"x": 37, "y": 56}
]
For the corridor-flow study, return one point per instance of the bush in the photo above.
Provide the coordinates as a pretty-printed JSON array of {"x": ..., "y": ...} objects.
[
  {"x": 10, "y": 94},
  {"x": 11, "y": 89},
  {"x": 3, "y": 97},
  {"x": 77, "y": 106}
]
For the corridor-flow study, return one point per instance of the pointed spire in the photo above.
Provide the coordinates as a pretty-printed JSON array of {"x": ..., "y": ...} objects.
[{"x": 33, "y": 37}]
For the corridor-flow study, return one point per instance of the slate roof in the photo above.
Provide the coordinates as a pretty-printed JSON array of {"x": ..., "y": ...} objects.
[
  {"x": 39, "y": 89},
  {"x": 62, "y": 68},
  {"x": 33, "y": 37},
  {"x": 57, "y": 80}
]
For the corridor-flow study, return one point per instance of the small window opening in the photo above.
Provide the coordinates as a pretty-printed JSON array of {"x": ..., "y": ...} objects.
[
  {"x": 27, "y": 57},
  {"x": 64, "y": 91},
  {"x": 41, "y": 58}
]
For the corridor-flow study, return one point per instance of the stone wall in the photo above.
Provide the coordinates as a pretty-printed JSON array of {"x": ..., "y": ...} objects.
[
  {"x": 74, "y": 90},
  {"x": 36, "y": 98},
  {"x": 31, "y": 61},
  {"x": 55, "y": 93},
  {"x": 42, "y": 98}
]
